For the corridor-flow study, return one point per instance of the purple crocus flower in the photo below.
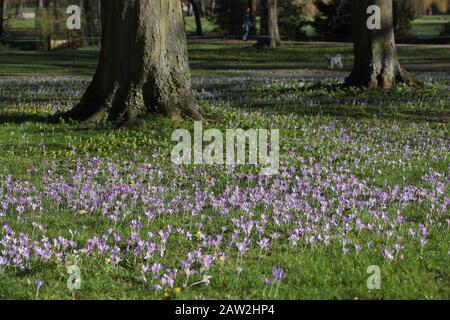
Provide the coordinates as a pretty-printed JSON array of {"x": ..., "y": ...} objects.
[
  {"x": 39, "y": 283},
  {"x": 278, "y": 274}
]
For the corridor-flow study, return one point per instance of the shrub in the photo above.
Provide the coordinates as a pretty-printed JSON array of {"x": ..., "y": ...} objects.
[
  {"x": 334, "y": 18},
  {"x": 403, "y": 15},
  {"x": 229, "y": 15},
  {"x": 445, "y": 29},
  {"x": 291, "y": 20}
]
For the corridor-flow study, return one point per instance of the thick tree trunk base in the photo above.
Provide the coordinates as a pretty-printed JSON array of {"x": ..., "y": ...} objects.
[
  {"x": 269, "y": 35},
  {"x": 143, "y": 65},
  {"x": 379, "y": 79},
  {"x": 126, "y": 106}
]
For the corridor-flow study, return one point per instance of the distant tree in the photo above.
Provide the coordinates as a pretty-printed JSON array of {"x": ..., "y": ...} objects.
[
  {"x": 143, "y": 65},
  {"x": 19, "y": 9},
  {"x": 270, "y": 34},
  {"x": 445, "y": 29},
  {"x": 2, "y": 13},
  {"x": 376, "y": 62},
  {"x": 228, "y": 15},
  {"x": 91, "y": 15},
  {"x": 403, "y": 16},
  {"x": 196, "y": 7},
  {"x": 252, "y": 4},
  {"x": 213, "y": 6},
  {"x": 89, "y": 20},
  {"x": 308, "y": 7},
  {"x": 45, "y": 23},
  {"x": 422, "y": 7},
  {"x": 333, "y": 18},
  {"x": 292, "y": 19}
]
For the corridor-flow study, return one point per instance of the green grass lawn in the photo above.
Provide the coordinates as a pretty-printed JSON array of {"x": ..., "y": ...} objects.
[
  {"x": 364, "y": 180},
  {"x": 428, "y": 26},
  {"x": 207, "y": 25},
  {"x": 23, "y": 24},
  {"x": 216, "y": 57}
]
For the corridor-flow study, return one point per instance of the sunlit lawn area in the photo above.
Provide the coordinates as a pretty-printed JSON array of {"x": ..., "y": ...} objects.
[{"x": 364, "y": 180}]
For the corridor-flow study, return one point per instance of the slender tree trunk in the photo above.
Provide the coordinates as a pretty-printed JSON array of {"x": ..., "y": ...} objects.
[
  {"x": 40, "y": 4},
  {"x": 264, "y": 21},
  {"x": 143, "y": 65},
  {"x": 19, "y": 9},
  {"x": 198, "y": 17},
  {"x": 189, "y": 9},
  {"x": 252, "y": 6},
  {"x": 213, "y": 7},
  {"x": 270, "y": 35},
  {"x": 202, "y": 7},
  {"x": 88, "y": 10},
  {"x": 376, "y": 62},
  {"x": 236, "y": 14},
  {"x": 2, "y": 12}
]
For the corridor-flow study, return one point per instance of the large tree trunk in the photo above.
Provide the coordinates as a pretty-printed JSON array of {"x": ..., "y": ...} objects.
[
  {"x": 143, "y": 64},
  {"x": 376, "y": 62},
  {"x": 198, "y": 16},
  {"x": 270, "y": 35}
]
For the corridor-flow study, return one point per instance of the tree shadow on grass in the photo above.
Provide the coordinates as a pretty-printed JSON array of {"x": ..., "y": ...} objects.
[
  {"x": 61, "y": 62},
  {"x": 333, "y": 100},
  {"x": 371, "y": 112},
  {"x": 20, "y": 118}
]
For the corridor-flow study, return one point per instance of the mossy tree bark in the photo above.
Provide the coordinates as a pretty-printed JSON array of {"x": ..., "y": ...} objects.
[
  {"x": 376, "y": 61},
  {"x": 270, "y": 35},
  {"x": 143, "y": 65}
]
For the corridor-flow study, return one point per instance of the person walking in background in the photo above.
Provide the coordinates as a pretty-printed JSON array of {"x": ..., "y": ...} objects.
[{"x": 246, "y": 24}]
